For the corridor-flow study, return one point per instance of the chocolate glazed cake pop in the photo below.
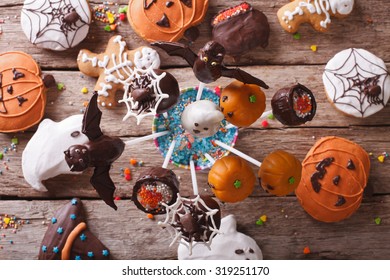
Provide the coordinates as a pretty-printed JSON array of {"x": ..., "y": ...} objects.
[
  {"x": 99, "y": 152},
  {"x": 294, "y": 105},
  {"x": 240, "y": 29},
  {"x": 207, "y": 64},
  {"x": 155, "y": 186}
]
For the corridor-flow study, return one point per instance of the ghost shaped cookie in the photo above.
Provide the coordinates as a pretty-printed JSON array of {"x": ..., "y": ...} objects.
[
  {"x": 69, "y": 238},
  {"x": 115, "y": 67},
  {"x": 229, "y": 244},
  {"x": 56, "y": 24}
]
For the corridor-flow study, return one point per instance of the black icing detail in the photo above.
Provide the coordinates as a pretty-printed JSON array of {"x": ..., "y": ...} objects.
[
  {"x": 341, "y": 201},
  {"x": 148, "y": 5},
  {"x": 17, "y": 74},
  {"x": 336, "y": 180},
  {"x": 3, "y": 110},
  {"x": 169, "y": 4},
  {"x": 164, "y": 21},
  {"x": 75, "y": 133},
  {"x": 239, "y": 251},
  {"x": 251, "y": 251},
  {"x": 21, "y": 100},
  {"x": 188, "y": 3},
  {"x": 230, "y": 114},
  {"x": 224, "y": 98},
  {"x": 351, "y": 165},
  {"x": 320, "y": 173}
]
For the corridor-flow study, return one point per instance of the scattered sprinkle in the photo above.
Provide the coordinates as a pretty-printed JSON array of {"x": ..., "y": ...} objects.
[
  {"x": 105, "y": 253},
  {"x": 313, "y": 48},
  {"x": 117, "y": 198},
  {"x": 15, "y": 141},
  {"x": 306, "y": 250},
  {"x": 259, "y": 222},
  {"x": 53, "y": 220},
  {"x": 297, "y": 36},
  {"x": 381, "y": 158},
  {"x": 127, "y": 171},
  {"x": 60, "y": 86},
  {"x": 90, "y": 254},
  {"x": 84, "y": 90},
  {"x": 127, "y": 177},
  {"x": 271, "y": 116},
  {"x": 264, "y": 124},
  {"x": 150, "y": 216},
  {"x": 263, "y": 218},
  {"x": 378, "y": 220},
  {"x": 133, "y": 162},
  {"x": 107, "y": 28}
]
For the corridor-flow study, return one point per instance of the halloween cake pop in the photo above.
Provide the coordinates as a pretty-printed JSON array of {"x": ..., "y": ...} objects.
[
  {"x": 155, "y": 187},
  {"x": 229, "y": 244},
  {"x": 334, "y": 175},
  {"x": 240, "y": 29},
  {"x": 68, "y": 237},
  {"x": 99, "y": 152},
  {"x": 294, "y": 105}
]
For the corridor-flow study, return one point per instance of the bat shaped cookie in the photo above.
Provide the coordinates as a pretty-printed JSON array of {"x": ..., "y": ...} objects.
[
  {"x": 207, "y": 64},
  {"x": 99, "y": 152}
]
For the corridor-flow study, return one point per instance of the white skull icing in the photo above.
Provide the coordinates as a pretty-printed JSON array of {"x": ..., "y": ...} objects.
[
  {"x": 229, "y": 245},
  {"x": 343, "y": 7},
  {"x": 43, "y": 157},
  {"x": 202, "y": 118}
]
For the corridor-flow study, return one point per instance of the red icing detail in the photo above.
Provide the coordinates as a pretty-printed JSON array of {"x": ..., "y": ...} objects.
[
  {"x": 236, "y": 10},
  {"x": 303, "y": 105}
]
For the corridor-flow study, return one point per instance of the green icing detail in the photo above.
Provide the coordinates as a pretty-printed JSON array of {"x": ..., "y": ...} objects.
[
  {"x": 237, "y": 184},
  {"x": 271, "y": 116},
  {"x": 252, "y": 98},
  {"x": 291, "y": 180},
  {"x": 259, "y": 222}
]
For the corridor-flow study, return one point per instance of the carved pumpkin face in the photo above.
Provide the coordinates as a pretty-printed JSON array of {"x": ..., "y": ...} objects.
[
  {"x": 242, "y": 104},
  {"x": 165, "y": 20},
  {"x": 334, "y": 175},
  {"x": 280, "y": 173},
  {"x": 231, "y": 179}
]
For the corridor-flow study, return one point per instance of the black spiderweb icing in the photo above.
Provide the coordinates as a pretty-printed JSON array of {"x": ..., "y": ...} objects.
[
  {"x": 362, "y": 85},
  {"x": 50, "y": 15}
]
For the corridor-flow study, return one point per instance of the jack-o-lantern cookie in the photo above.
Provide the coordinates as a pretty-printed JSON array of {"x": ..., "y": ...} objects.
[
  {"x": 115, "y": 68},
  {"x": 315, "y": 12},
  {"x": 157, "y": 20},
  {"x": 22, "y": 92},
  {"x": 56, "y": 24},
  {"x": 357, "y": 82},
  {"x": 334, "y": 175}
]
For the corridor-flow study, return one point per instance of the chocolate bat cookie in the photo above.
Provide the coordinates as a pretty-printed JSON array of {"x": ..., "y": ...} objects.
[
  {"x": 99, "y": 152},
  {"x": 207, "y": 64}
]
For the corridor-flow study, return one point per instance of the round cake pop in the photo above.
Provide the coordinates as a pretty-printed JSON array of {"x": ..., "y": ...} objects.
[
  {"x": 155, "y": 187},
  {"x": 294, "y": 105}
]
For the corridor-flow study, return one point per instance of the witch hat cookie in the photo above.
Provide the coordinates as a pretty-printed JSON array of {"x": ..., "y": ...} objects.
[{"x": 68, "y": 237}]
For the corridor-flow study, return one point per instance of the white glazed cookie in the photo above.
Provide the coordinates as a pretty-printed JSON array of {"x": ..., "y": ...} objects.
[
  {"x": 56, "y": 24},
  {"x": 357, "y": 82},
  {"x": 43, "y": 157},
  {"x": 228, "y": 245},
  {"x": 316, "y": 12}
]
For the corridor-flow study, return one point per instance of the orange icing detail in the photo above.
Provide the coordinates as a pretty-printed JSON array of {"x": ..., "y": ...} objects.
[{"x": 65, "y": 254}]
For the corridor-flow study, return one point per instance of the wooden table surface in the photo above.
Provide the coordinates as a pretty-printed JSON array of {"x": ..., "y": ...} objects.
[{"x": 127, "y": 232}]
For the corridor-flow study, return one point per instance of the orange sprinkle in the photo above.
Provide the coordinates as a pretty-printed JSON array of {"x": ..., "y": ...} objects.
[
  {"x": 306, "y": 250},
  {"x": 150, "y": 216},
  {"x": 127, "y": 171},
  {"x": 85, "y": 103},
  {"x": 133, "y": 161}
]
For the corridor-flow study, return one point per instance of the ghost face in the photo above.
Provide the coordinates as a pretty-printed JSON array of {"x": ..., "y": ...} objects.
[
  {"x": 77, "y": 157},
  {"x": 343, "y": 7},
  {"x": 202, "y": 118}
]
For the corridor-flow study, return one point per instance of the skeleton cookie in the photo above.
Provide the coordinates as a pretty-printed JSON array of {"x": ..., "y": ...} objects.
[
  {"x": 115, "y": 67},
  {"x": 56, "y": 24},
  {"x": 315, "y": 12}
]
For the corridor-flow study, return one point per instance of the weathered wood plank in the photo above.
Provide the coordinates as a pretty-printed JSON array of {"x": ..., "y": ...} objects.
[
  {"x": 368, "y": 24},
  {"x": 130, "y": 235}
]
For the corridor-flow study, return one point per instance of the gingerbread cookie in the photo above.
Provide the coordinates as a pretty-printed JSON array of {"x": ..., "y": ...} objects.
[
  {"x": 115, "y": 68},
  {"x": 334, "y": 175},
  {"x": 315, "y": 12},
  {"x": 357, "y": 82},
  {"x": 166, "y": 20},
  {"x": 56, "y": 24},
  {"x": 68, "y": 237},
  {"x": 240, "y": 28},
  {"x": 22, "y": 92}
]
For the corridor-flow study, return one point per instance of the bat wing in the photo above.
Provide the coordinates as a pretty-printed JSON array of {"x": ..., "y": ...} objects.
[
  {"x": 177, "y": 49},
  {"x": 91, "y": 120},
  {"x": 242, "y": 76},
  {"x": 103, "y": 184}
]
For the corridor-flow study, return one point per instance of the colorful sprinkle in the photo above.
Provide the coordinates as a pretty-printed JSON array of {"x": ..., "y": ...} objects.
[
  {"x": 84, "y": 90},
  {"x": 53, "y": 220},
  {"x": 259, "y": 222},
  {"x": 306, "y": 250},
  {"x": 60, "y": 230},
  {"x": 107, "y": 28},
  {"x": 73, "y": 216},
  {"x": 77, "y": 258},
  {"x": 1, "y": 156},
  {"x": 56, "y": 250},
  {"x": 313, "y": 48},
  {"x": 44, "y": 249},
  {"x": 381, "y": 158},
  {"x": 127, "y": 171},
  {"x": 150, "y": 216},
  {"x": 90, "y": 254},
  {"x": 128, "y": 177},
  {"x": 378, "y": 220},
  {"x": 263, "y": 218},
  {"x": 271, "y": 116},
  {"x": 297, "y": 36},
  {"x": 117, "y": 198},
  {"x": 133, "y": 162},
  {"x": 74, "y": 201},
  {"x": 15, "y": 141},
  {"x": 105, "y": 253},
  {"x": 83, "y": 237},
  {"x": 264, "y": 124},
  {"x": 60, "y": 86}
]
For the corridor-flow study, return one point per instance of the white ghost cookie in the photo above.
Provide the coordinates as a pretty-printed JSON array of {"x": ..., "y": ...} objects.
[
  {"x": 56, "y": 24},
  {"x": 202, "y": 118},
  {"x": 228, "y": 245},
  {"x": 43, "y": 156}
]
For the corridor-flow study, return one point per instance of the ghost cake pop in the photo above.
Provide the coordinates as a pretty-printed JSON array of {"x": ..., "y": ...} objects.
[
  {"x": 155, "y": 187},
  {"x": 99, "y": 152},
  {"x": 230, "y": 244}
]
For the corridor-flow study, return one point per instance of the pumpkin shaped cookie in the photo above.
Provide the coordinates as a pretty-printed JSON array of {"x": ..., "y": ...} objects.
[
  {"x": 280, "y": 173},
  {"x": 334, "y": 175},
  {"x": 166, "y": 20},
  {"x": 22, "y": 92},
  {"x": 231, "y": 179},
  {"x": 242, "y": 104}
]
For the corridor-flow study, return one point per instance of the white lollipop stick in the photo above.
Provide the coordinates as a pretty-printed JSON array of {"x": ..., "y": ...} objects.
[
  {"x": 193, "y": 177},
  {"x": 169, "y": 154},
  {"x": 265, "y": 114},
  {"x": 147, "y": 137},
  {"x": 237, "y": 152},
  {"x": 209, "y": 158},
  {"x": 200, "y": 90}
]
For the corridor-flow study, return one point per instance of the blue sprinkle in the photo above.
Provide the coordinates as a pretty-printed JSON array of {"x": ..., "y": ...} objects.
[
  {"x": 90, "y": 254},
  {"x": 44, "y": 249},
  {"x": 53, "y": 220},
  {"x": 72, "y": 216},
  {"x": 11, "y": 242},
  {"x": 56, "y": 250},
  {"x": 77, "y": 258},
  {"x": 83, "y": 237},
  {"x": 74, "y": 201},
  {"x": 60, "y": 230},
  {"x": 105, "y": 253}
]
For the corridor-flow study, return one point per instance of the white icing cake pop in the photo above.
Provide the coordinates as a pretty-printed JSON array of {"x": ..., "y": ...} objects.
[
  {"x": 202, "y": 118},
  {"x": 43, "y": 157},
  {"x": 228, "y": 245}
]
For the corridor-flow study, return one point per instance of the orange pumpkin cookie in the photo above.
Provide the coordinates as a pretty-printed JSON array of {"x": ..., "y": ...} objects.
[
  {"x": 334, "y": 175},
  {"x": 280, "y": 173},
  {"x": 242, "y": 104},
  {"x": 231, "y": 179},
  {"x": 166, "y": 20},
  {"x": 22, "y": 92}
]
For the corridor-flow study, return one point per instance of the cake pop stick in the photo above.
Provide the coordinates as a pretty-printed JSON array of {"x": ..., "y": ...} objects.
[
  {"x": 193, "y": 177},
  {"x": 147, "y": 137},
  {"x": 169, "y": 154},
  {"x": 209, "y": 158},
  {"x": 200, "y": 90},
  {"x": 237, "y": 152}
]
